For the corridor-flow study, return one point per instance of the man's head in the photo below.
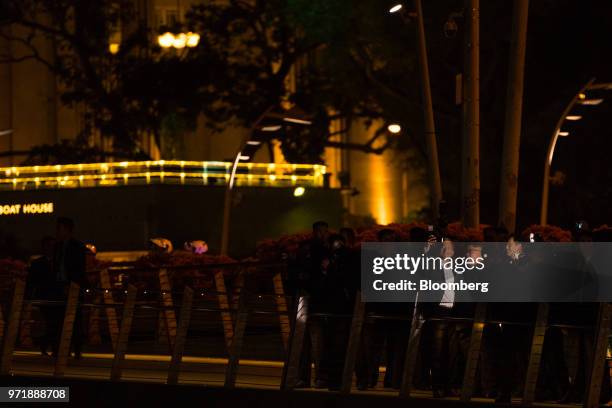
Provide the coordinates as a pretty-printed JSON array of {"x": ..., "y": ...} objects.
[
  {"x": 64, "y": 228},
  {"x": 320, "y": 230},
  {"x": 46, "y": 246},
  {"x": 418, "y": 234},
  {"x": 386, "y": 235}
]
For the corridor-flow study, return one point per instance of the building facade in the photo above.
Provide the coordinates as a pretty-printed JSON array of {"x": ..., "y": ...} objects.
[{"x": 381, "y": 186}]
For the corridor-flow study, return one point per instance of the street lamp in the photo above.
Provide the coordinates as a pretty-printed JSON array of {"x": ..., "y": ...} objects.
[
  {"x": 178, "y": 41},
  {"x": 426, "y": 98},
  {"x": 290, "y": 116},
  {"x": 299, "y": 191},
  {"x": 394, "y": 128},
  {"x": 578, "y": 97},
  {"x": 113, "y": 48},
  {"x": 166, "y": 40},
  {"x": 395, "y": 8}
]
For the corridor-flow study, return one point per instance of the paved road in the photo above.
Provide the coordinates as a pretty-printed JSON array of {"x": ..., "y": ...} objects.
[{"x": 207, "y": 371}]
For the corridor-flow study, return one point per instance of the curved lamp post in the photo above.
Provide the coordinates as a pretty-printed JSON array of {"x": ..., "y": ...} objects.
[
  {"x": 551, "y": 150},
  {"x": 249, "y": 140}
]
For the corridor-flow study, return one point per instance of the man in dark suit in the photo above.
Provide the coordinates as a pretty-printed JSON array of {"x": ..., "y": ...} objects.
[
  {"x": 69, "y": 266},
  {"x": 41, "y": 286}
]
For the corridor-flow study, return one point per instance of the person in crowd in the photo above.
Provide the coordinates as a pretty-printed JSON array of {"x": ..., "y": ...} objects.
[
  {"x": 437, "y": 329},
  {"x": 69, "y": 266},
  {"x": 298, "y": 273},
  {"x": 386, "y": 334},
  {"x": 41, "y": 287},
  {"x": 506, "y": 340},
  {"x": 308, "y": 270},
  {"x": 336, "y": 306},
  {"x": 350, "y": 240},
  {"x": 577, "y": 344},
  {"x": 352, "y": 254}
]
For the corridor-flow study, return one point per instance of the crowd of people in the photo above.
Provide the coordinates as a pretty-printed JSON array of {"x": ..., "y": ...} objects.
[{"x": 325, "y": 272}]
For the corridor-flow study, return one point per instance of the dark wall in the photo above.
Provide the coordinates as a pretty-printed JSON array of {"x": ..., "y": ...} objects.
[{"x": 124, "y": 218}]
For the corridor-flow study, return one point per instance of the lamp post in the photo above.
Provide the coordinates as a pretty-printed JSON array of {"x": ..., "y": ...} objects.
[
  {"x": 248, "y": 140},
  {"x": 428, "y": 116},
  {"x": 551, "y": 150}
]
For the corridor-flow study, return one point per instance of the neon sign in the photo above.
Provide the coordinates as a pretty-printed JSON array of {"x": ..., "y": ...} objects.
[{"x": 26, "y": 209}]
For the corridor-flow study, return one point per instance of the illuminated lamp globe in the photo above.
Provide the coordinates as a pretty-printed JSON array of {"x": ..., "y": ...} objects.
[
  {"x": 166, "y": 40},
  {"x": 193, "y": 39},
  {"x": 299, "y": 191},
  {"x": 395, "y": 8},
  {"x": 394, "y": 128},
  {"x": 180, "y": 40}
]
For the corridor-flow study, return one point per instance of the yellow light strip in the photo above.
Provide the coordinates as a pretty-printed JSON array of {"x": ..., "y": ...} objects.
[
  {"x": 93, "y": 180},
  {"x": 105, "y": 167}
]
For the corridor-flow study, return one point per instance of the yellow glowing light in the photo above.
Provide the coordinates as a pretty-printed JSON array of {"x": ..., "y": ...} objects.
[
  {"x": 394, "y": 128},
  {"x": 573, "y": 117},
  {"x": 592, "y": 102},
  {"x": 166, "y": 40},
  {"x": 193, "y": 39},
  {"x": 581, "y": 95},
  {"x": 180, "y": 40},
  {"x": 111, "y": 173},
  {"x": 563, "y": 133},
  {"x": 113, "y": 48},
  {"x": 382, "y": 197},
  {"x": 299, "y": 191}
]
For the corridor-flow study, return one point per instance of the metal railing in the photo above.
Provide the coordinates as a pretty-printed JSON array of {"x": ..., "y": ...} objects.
[{"x": 126, "y": 310}]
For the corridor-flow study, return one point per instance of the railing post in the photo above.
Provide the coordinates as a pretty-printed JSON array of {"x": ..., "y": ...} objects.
[
  {"x": 1, "y": 327},
  {"x": 111, "y": 314},
  {"x": 63, "y": 350},
  {"x": 281, "y": 308},
  {"x": 535, "y": 354},
  {"x": 235, "y": 348},
  {"x": 10, "y": 335},
  {"x": 25, "y": 336},
  {"x": 292, "y": 364},
  {"x": 353, "y": 344},
  {"x": 169, "y": 315},
  {"x": 469, "y": 378},
  {"x": 94, "y": 322},
  {"x": 124, "y": 333},
  {"x": 412, "y": 351},
  {"x": 181, "y": 333},
  {"x": 226, "y": 316},
  {"x": 599, "y": 357}
]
